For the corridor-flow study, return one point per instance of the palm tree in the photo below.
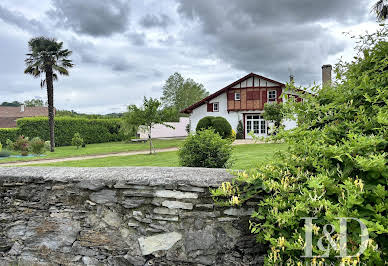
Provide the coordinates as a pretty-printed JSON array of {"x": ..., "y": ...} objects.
[
  {"x": 381, "y": 9},
  {"x": 48, "y": 57}
]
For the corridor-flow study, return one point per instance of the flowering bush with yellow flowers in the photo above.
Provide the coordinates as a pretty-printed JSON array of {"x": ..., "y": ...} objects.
[{"x": 336, "y": 166}]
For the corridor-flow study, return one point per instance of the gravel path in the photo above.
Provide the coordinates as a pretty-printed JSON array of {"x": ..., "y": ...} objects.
[{"x": 86, "y": 157}]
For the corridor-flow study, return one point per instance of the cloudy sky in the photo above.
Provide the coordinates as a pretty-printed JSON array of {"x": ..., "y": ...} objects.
[{"x": 126, "y": 49}]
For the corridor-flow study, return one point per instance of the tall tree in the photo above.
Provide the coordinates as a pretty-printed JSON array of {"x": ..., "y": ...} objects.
[
  {"x": 179, "y": 93},
  {"x": 381, "y": 9},
  {"x": 34, "y": 103},
  {"x": 47, "y": 57},
  {"x": 14, "y": 104},
  {"x": 145, "y": 117}
]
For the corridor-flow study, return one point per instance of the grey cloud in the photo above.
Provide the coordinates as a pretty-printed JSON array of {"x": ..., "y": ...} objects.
[
  {"x": 95, "y": 18},
  {"x": 137, "y": 39},
  {"x": 154, "y": 21},
  {"x": 18, "y": 19},
  {"x": 270, "y": 36},
  {"x": 117, "y": 63}
]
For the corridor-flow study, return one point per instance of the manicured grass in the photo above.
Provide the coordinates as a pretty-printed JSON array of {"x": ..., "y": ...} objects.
[
  {"x": 100, "y": 148},
  {"x": 244, "y": 157}
]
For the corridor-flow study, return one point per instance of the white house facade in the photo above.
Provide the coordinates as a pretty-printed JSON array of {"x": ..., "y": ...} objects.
[{"x": 243, "y": 100}]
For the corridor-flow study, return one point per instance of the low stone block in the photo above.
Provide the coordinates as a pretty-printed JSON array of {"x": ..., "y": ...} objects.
[
  {"x": 166, "y": 211},
  {"x": 238, "y": 212},
  {"x": 158, "y": 242},
  {"x": 175, "y": 194},
  {"x": 104, "y": 196},
  {"x": 177, "y": 205},
  {"x": 164, "y": 218}
]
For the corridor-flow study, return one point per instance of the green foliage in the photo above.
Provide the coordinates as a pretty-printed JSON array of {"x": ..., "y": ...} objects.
[
  {"x": 93, "y": 130},
  {"x": 37, "y": 146},
  {"x": 8, "y": 133},
  {"x": 22, "y": 145},
  {"x": 34, "y": 103},
  {"x": 218, "y": 123},
  {"x": 145, "y": 117},
  {"x": 240, "y": 130},
  {"x": 274, "y": 112},
  {"x": 179, "y": 93},
  {"x": 232, "y": 136},
  {"x": 77, "y": 140},
  {"x": 205, "y": 149},
  {"x": 14, "y": 104},
  {"x": 336, "y": 166}
]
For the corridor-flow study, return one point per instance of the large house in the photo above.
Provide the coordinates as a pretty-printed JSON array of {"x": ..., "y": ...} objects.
[
  {"x": 243, "y": 100},
  {"x": 9, "y": 114}
]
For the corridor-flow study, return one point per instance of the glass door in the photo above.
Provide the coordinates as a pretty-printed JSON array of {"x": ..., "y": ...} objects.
[{"x": 255, "y": 123}]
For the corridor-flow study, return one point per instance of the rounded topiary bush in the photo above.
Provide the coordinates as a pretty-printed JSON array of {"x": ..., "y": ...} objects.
[
  {"x": 218, "y": 123},
  {"x": 205, "y": 149},
  {"x": 205, "y": 123}
]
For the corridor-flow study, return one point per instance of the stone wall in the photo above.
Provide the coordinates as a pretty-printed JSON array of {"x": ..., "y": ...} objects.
[{"x": 120, "y": 216}]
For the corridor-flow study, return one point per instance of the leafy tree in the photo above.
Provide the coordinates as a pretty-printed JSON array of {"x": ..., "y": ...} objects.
[
  {"x": 14, "y": 104},
  {"x": 47, "y": 57},
  {"x": 145, "y": 117},
  {"x": 34, "y": 103},
  {"x": 336, "y": 166},
  {"x": 77, "y": 140},
  {"x": 240, "y": 130},
  {"x": 274, "y": 112},
  {"x": 381, "y": 9},
  {"x": 179, "y": 93}
]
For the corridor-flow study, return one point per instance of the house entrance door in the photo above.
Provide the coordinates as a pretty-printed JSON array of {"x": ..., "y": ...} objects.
[{"x": 255, "y": 123}]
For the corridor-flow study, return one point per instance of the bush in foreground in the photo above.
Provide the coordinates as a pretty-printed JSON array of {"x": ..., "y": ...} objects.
[
  {"x": 336, "y": 166},
  {"x": 37, "y": 146},
  {"x": 205, "y": 149}
]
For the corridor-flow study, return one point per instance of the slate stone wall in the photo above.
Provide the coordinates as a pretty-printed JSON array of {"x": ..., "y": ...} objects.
[{"x": 120, "y": 216}]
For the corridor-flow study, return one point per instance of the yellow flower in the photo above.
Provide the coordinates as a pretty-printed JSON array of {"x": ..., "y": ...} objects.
[
  {"x": 359, "y": 183},
  {"x": 234, "y": 200},
  {"x": 281, "y": 242},
  {"x": 315, "y": 229}
]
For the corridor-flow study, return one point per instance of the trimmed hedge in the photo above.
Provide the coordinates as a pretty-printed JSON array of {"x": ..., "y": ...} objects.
[
  {"x": 91, "y": 130},
  {"x": 8, "y": 133},
  {"x": 218, "y": 123}
]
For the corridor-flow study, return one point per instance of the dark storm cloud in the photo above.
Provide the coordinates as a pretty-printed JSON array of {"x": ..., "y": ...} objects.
[
  {"x": 154, "y": 21},
  {"x": 270, "y": 37},
  {"x": 19, "y": 20},
  {"x": 95, "y": 18}
]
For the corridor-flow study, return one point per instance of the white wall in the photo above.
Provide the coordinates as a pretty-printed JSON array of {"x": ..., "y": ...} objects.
[
  {"x": 161, "y": 131},
  {"x": 201, "y": 112}
]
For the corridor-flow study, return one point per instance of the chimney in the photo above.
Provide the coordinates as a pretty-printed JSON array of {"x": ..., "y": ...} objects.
[
  {"x": 326, "y": 75},
  {"x": 22, "y": 108}
]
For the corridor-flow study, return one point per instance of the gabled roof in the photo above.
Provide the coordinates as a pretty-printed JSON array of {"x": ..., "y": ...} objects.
[
  {"x": 212, "y": 96},
  {"x": 10, "y": 111}
]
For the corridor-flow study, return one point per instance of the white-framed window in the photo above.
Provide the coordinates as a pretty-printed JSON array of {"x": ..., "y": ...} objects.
[
  {"x": 272, "y": 96},
  {"x": 237, "y": 96},
  {"x": 215, "y": 107}
]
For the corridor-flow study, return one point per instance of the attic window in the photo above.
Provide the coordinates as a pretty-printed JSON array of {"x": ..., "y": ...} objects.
[
  {"x": 272, "y": 96},
  {"x": 237, "y": 96},
  {"x": 215, "y": 107}
]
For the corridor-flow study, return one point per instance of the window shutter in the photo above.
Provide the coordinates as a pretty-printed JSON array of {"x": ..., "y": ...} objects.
[
  {"x": 210, "y": 107},
  {"x": 278, "y": 93},
  {"x": 230, "y": 96},
  {"x": 264, "y": 96}
]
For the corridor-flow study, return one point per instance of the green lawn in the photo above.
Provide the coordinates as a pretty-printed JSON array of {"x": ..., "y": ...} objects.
[
  {"x": 244, "y": 157},
  {"x": 100, "y": 148}
]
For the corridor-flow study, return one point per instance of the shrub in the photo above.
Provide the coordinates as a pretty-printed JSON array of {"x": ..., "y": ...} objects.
[
  {"x": 9, "y": 145},
  {"x": 93, "y": 130},
  {"x": 47, "y": 145},
  {"x": 205, "y": 149},
  {"x": 336, "y": 166},
  {"x": 22, "y": 145},
  {"x": 37, "y": 146},
  {"x": 240, "y": 130},
  {"x": 219, "y": 124},
  {"x": 4, "y": 153},
  {"x": 232, "y": 136},
  {"x": 77, "y": 140},
  {"x": 8, "y": 133},
  {"x": 204, "y": 123}
]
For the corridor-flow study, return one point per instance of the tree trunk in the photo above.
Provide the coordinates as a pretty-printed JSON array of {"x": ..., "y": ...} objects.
[
  {"x": 149, "y": 137},
  {"x": 50, "y": 99}
]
